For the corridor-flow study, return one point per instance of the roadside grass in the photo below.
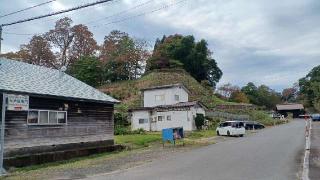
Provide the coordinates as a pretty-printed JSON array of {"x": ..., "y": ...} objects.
[
  {"x": 201, "y": 134},
  {"x": 135, "y": 141}
]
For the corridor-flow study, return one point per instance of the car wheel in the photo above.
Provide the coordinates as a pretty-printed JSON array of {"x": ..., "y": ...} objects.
[
  {"x": 218, "y": 133},
  {"x": 228, "y": 133},
  {"x": 241, "y": 135}
]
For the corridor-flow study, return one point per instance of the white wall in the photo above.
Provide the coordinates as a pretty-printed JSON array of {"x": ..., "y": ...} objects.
[
  {"x": 136, "y": 115},
  {"x": 183, "y": 119},
  {"x": 149, "y": 96}
]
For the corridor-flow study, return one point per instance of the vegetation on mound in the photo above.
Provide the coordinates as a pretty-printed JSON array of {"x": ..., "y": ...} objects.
[{"x": 128, "y": 92}]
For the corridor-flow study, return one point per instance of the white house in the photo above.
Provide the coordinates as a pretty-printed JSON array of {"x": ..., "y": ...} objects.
[{"x": 165, "y": 107}]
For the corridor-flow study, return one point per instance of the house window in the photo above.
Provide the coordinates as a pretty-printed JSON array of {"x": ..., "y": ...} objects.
[
  {"x": 159, "y": 97},
  {"x": 168, "y": 118},
  {"x": 176, "y": 97},
  {"x": 160, "y": 118},
  {"x": 46, "y": 117},
  {"x": 142, "y": 121}
]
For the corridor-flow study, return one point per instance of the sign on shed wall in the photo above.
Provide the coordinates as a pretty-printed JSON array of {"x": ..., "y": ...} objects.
[{"x": 17, "y": 102}]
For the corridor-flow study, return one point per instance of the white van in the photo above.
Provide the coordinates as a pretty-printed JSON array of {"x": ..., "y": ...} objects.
[{"x": 231, "y": 128}]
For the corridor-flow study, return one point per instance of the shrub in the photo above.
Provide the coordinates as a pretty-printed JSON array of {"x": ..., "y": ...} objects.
[
  {"x": 199, "y": 120},
  {"x": 121, "y": 131}
]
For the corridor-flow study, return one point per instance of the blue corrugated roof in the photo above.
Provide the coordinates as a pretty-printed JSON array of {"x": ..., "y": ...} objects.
[{"x": 22, "y": 77}]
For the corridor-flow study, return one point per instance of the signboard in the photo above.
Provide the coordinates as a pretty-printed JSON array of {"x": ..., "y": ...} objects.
[{"x": 17, "y": 102}]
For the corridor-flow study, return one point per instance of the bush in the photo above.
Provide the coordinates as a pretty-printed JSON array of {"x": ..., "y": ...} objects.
[
  {"x": 121, "y": 131},
  {"x": 126, "y": 131},
  {"x": 199, "y": 120},
  {"x": 139, "y": 131}
]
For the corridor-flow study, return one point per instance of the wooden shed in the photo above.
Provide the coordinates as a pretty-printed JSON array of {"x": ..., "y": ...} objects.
[
  {"x": 65, "y": 118},
  {"x": 295, "y": 109}
]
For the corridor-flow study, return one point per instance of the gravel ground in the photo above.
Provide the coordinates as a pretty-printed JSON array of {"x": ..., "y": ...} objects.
[{"x": 109, "y": 163}]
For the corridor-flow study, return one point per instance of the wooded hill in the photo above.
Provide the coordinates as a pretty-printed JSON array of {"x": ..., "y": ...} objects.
[{"x": 128, "y": 92}]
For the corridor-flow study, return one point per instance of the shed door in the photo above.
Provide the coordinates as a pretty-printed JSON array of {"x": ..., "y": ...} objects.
[{"x": 153, "y": 124}]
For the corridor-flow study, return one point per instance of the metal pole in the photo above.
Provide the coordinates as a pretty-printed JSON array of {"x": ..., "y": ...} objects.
[
  {"x": 3, "y": 117},
  {"x": 0, "y": 38}
]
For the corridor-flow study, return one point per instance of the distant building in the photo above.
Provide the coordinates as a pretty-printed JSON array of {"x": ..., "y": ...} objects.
[
  {"x": 165, "y": 107},
  {"x": 64, "y": 115},
  {"x": 295, "y": 109}
]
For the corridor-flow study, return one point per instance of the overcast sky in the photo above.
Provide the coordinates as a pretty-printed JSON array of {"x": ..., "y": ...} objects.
[{"x": 262, "y": 41}]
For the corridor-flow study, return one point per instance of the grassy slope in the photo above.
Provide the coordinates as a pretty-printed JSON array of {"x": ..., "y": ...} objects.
[{"x": 129, "y": 91}]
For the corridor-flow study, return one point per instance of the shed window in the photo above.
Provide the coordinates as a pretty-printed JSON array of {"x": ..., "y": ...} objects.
[
  {"x": 177, "y": 97},
  {"x": 168, "y": 118},
  {"x": 142, "y": 121},
  {"x": 46, "y": 117},
  {"x": 159, "y": 97}
]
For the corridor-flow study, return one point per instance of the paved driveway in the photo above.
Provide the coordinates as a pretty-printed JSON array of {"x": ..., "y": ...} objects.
[{"x": 273, "y": 153}]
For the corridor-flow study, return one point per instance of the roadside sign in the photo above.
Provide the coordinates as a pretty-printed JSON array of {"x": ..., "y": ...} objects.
[{"x": 17, "y": 102}]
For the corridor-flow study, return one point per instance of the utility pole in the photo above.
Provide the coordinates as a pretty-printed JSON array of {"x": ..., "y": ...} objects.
[{"x": 0, "y": 37}]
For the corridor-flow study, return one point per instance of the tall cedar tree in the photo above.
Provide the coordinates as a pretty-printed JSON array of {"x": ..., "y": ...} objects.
[{"x": 177, "y": 51}]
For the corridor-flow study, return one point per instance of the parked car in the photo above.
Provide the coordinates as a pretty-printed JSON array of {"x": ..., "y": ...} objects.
[
  {"x": 231, "y": 128},
  {"x": 315, "y": 117},
  {"x": 250, "y": 125}
]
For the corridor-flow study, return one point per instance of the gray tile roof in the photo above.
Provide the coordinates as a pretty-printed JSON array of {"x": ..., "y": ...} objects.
[
  {"x": 172, "y": 106},
  {"x": 22, "y": 77},
  {"x": 166, "y": 87}
]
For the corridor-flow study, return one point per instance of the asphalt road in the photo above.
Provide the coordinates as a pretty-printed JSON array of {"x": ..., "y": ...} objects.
[{"x": 273, "y": 153}]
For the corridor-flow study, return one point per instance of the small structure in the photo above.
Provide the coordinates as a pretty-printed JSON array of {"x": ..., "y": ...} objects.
[
  {"x": 295, "y": 109},
  {"x": 166, "y": 107},
  {"x": 172, "y": 134},
  {"x": 65, "y": 115}
]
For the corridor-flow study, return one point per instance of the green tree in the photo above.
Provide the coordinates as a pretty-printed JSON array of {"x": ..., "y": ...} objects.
[
  {"x": 310, "y": 89},
  {"x": 177, "y": 51},
  {"x": 262, "y": 95},
  {"x": 88, "y": 70}
]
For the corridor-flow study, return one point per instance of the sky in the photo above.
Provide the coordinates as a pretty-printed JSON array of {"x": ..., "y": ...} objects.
[{"x": 266, "y": 42}]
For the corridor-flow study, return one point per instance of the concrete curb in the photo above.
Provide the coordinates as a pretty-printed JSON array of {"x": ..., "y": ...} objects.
[{"x": 305, "y": 171}]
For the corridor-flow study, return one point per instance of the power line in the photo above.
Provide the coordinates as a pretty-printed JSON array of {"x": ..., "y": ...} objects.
[
  {"x": 121, "y": 12},
  {"x": 143, "y": 13},
  {"x": 55, "y": 13},
  {"x": 15, "y": 12}
]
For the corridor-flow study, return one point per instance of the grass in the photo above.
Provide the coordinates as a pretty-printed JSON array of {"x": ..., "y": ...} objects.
[
  {"x": 138, "y": 140},
  {"x": 201, "y": 134}
]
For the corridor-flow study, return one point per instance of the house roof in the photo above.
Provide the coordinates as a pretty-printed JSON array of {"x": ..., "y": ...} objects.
[
  {"x": 16, "y": 76},
  {"x": 289, "y": 106},
  {"x": 166, "y": 87},
  {"x": 173, "y": 106}
]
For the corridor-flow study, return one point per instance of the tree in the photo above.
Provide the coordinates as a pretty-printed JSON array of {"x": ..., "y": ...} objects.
[
  {"x": 310, "y": 89},
  {"x": 239, "y": 97},
  {"x": 226, "y": 90},
  {"x": 289, "y": 94},
  {"x": 61, "y": 37},
  {"x": 177, "y": 51},
  {"x": 83, "y": 43},
  {"x": 88, "y": 70},
  {"x": 262, "y": 95},
  {"x": 38, "y": 52},
  {"x": 123, "y": 56}
]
